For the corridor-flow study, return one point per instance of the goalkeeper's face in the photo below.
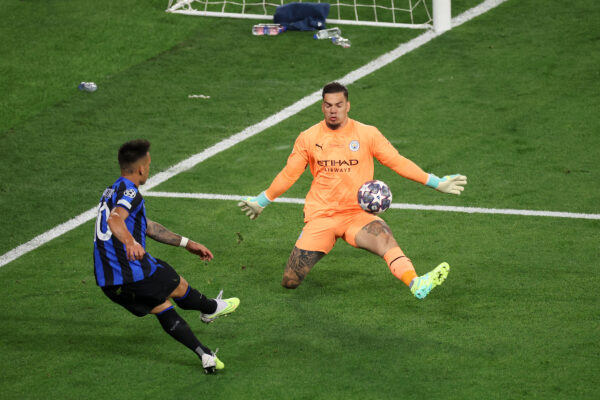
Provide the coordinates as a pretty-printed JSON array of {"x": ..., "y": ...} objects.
[{"x": 335, "y": 109}]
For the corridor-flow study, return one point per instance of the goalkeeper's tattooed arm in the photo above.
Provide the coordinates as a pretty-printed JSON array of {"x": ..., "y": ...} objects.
[
  {"x": 452, "y": 184},
  {"x": 253, "y": 206}
]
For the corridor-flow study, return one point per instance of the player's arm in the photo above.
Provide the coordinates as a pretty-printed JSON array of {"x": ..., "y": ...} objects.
[
  {"x": 453, "y": 184},
  {"x": 161, "y": 234},
  {"x": 389, "y": 156},
  {"x": 116, "y": 224},
  {"x": 295, "y": 166}
]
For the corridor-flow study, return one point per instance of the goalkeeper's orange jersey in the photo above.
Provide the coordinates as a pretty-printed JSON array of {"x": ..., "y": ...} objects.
[{"x": 340, "y": 161}]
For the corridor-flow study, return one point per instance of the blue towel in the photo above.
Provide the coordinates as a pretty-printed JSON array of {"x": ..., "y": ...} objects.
[{"x": 302, "y": 16}]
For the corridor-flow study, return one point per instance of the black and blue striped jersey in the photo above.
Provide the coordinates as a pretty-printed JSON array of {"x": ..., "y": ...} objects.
[{"x": 111, "y": 266}]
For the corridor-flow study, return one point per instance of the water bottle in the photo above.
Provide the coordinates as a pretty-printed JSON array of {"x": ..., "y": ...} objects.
[
  {"x": 328, "y": 33},
  {"x": 87, "y": 86},
  {"x": 267, "y": 29},
  {"x": 340, "y": 41}
]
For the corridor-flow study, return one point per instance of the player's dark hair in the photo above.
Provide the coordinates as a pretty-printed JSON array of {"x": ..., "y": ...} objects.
[
  {"x": 335, "y": 87},
  {"x": 131, "y": 152}
]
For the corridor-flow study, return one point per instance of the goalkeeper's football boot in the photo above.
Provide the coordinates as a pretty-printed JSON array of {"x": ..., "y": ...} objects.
[
  {"x": 224, "y": 307},
  {"x": 422, "y": 285},
  {"x": 211, "y": 363}
]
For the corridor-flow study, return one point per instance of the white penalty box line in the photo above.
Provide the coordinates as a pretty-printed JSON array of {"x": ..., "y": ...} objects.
[
  {"x": 401, "y": 206},
  {"x": 253, "y": 130}
]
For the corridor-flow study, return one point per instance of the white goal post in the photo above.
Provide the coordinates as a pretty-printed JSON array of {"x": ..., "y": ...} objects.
[{"x": 414, "y": 14}]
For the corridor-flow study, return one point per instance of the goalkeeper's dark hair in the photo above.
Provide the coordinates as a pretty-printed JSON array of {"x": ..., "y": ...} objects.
[
  {"x": 131, "y": 152},
  {"x": 335, "y": 87}
]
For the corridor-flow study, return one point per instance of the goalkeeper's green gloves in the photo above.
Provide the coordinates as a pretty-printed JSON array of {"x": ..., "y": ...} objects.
[
  {"x": 453, "y": 184},
  {"x": 253, "y": 206}
]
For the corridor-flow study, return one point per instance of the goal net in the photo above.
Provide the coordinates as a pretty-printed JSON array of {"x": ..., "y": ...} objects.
[{"x": 419, "y": 14}]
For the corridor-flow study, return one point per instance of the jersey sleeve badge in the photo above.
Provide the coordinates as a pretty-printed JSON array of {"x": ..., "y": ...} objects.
[{"x": 127, "y": 199}]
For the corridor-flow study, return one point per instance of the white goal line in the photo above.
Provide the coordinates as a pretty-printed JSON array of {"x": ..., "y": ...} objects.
[{"x": 401, "y": 206}]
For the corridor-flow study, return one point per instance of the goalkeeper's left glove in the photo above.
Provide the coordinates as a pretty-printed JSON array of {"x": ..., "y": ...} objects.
[
  {"x": 453, "y": 184},
  {"x": 253, "y": 206}
]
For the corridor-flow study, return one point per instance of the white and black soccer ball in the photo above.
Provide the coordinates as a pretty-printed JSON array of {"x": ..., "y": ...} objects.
[{"x": 374, "y": 197}]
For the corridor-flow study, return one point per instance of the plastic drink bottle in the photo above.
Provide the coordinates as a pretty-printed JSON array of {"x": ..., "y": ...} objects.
[
  {"x": 267, "y": 29},
  {"x": 328, "y": 33}
]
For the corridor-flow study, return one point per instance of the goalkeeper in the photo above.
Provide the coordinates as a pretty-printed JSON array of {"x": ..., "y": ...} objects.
[{"x": 340, "y": 154}]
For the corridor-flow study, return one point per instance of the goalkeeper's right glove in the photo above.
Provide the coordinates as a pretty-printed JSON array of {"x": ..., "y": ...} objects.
[
  {"x": 253, "y": 206},
  {"x": 453, "y": 184}
]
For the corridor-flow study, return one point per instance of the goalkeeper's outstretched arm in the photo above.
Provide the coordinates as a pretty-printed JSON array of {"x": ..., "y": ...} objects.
[
  {"x": 387, "y": 154},
  {"x": 253, "y": 206},
  {"x": 452, "y": 184}
]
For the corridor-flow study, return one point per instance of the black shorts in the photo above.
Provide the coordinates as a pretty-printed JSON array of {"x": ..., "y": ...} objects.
[{"x": 140, "y": 297}]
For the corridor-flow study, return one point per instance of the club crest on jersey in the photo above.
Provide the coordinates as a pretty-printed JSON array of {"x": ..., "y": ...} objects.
[
  {"x": 130, "y": 193},
  {"x": 354, "y": 145},
  {"x": 108, "y": 193}
]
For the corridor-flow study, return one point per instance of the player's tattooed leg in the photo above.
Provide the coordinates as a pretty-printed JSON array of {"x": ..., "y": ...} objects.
[
  {"x": 377, "y": 228},
  {"x": 298, "y": 266},
  {"x": 376, "y": 237}
]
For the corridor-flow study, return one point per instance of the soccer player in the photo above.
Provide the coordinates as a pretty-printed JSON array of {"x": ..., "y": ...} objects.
[
  {"x": 130, "y": 276},
  {"x": 340, "y": 154}
]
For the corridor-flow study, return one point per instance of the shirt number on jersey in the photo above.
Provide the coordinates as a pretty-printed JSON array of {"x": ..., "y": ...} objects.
[{"x": 104, "y": 236}]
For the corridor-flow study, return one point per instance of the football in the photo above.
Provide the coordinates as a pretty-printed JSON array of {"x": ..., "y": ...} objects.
[{"x": 374, "y": 197}]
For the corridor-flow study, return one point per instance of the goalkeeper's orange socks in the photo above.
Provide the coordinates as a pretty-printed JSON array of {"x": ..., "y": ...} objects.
[{"x": 400, "y": 265}]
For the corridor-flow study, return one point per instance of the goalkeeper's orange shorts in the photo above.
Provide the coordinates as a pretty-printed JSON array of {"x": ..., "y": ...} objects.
[{"x": 320, "y": 234}]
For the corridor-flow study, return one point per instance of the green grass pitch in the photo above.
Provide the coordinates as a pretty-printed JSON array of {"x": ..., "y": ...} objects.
[{"x": 509, "y": 99}]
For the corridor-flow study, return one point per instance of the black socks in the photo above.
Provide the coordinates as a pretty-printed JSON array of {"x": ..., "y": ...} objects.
[
  {"x": 194, "y": 300},
  {"x": 176, "y": 326}
]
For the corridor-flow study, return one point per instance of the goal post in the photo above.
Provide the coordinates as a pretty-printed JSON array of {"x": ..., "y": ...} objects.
[
  {"x": 442, "y": 17},
  {"x": 415, "y": 14}
]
